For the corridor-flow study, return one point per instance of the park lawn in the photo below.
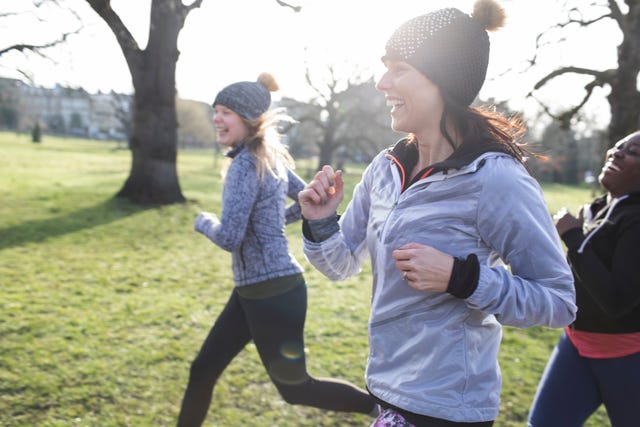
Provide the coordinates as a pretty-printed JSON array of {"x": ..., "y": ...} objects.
[{"x": 105, "y": 304}]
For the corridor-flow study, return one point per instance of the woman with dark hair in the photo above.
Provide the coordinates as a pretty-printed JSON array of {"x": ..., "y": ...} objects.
[
  {"x": 597, "y": 360},
  {"x": 458, "y": 233}
]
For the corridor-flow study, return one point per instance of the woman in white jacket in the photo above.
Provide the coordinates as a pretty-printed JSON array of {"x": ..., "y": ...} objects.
[{"x": 441, "y": 215}]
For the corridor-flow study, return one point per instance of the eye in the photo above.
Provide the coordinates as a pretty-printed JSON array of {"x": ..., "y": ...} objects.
[
  {"x": 630, "y": 149},
  {"x": 397, "y": 67}
]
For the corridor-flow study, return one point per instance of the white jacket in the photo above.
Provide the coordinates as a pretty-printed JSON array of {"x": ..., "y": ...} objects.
[{"x": 432, "y": 353}]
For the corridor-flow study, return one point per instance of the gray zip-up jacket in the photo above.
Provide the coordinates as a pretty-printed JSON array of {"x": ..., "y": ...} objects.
[
  {"x": 432, "y": 353},
  {"x": 253, "y": 219}
]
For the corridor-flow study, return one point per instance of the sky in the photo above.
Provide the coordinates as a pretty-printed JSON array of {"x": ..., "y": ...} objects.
[{"x": 231, "y": 40}]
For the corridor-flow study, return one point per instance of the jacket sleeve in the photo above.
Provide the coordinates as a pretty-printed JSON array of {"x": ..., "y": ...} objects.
[
  {"x": 615, "y": 290},
  {"x": 239, "y": 195},
  {"x": 514, "y": 221},
  {"x": 296, "y": 184},
  {"x": 341, "y": 255}
]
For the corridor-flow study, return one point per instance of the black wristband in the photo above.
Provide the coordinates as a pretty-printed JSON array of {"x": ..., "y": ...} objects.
[
  {"x": 319, "y": 230},
  {"x": 464, "y": 277}
]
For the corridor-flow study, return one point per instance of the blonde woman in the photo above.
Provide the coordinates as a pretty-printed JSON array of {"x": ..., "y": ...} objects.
[{"x": 268, "y": 303}]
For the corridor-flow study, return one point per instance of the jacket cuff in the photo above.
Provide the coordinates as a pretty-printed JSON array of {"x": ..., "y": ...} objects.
[
  {"x": 573, "y": 238},
  {"x": 464, "y": 277},
  {"x": 319, "y": 230}
]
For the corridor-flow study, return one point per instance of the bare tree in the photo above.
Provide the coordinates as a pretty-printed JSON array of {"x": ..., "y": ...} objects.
[
  {"x": 153, "y": 140},
  {"x": 624, "y": 97},
  {"x": 344, "y": 116},
  {"x": 367, "y": 123},
  {"x": 153, "y": 176}
]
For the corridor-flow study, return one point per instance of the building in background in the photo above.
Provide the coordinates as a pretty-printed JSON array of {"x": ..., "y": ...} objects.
[{"x": 64, "y": 111}]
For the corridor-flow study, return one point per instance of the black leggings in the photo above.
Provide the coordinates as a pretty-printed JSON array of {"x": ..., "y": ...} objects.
[{"x": 276, "y": 325}]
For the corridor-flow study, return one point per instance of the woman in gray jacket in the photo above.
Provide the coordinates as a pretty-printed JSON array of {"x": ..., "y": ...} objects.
[
  {"x": 269, "y": 301},
  {"x": 457, "y": 231}
]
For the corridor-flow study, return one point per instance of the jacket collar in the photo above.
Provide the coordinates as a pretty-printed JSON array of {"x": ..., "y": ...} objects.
[
  {"x": 405, "y": 155},
  {"x": 235, "y": 150}
]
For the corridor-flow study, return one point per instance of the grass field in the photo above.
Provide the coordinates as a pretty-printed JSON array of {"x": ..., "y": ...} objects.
[{"x": 105, "y": 304}]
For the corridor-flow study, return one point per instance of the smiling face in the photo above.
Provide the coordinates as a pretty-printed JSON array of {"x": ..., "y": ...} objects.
[
  {"x": 416, "y": 102},
  {"x": 230, "y": 126},
  {"x": 621, "y": 171}
]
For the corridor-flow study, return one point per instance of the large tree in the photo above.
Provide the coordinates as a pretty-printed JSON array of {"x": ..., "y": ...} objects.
[
  {"x": 153, "y": 135},
  {"x": 153, "y": 176},
  {"x": 622, "y": 82}
]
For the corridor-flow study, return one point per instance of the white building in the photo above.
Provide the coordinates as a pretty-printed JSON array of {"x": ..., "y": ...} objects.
[{"x": 67, "y": 111}]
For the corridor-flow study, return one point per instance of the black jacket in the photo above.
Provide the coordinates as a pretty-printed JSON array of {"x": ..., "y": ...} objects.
[{"x": 607, "y": 272}]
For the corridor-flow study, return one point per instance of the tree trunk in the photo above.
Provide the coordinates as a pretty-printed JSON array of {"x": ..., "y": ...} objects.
[
  {"x": 326, "y": 149},
  {"x": 328, "y": 145},
  {"x": 153, "y": 178},
  {"x": 624, "y": 97}
]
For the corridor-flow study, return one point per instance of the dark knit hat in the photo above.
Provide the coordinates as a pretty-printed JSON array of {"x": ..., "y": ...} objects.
[
  {"x": 450, "y": 47},
  {"x": 249, "y": 99}
]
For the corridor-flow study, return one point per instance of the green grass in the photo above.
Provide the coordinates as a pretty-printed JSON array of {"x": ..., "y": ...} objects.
[{"x": 105, "y": 304}]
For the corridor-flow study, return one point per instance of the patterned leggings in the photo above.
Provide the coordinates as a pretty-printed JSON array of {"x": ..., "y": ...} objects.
[{"x": 390, "y": 418}]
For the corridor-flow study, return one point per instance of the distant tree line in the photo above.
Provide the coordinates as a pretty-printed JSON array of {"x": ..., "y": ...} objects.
[{"x": 346, "y": 122}]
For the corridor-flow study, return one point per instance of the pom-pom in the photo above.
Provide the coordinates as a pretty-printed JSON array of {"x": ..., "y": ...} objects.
[
  {"x": 489, "y": 14},
  {"x": 268, "y": 81}
]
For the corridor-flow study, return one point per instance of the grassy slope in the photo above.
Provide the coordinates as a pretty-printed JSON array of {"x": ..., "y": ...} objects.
[{"x": 105, "y": 304}]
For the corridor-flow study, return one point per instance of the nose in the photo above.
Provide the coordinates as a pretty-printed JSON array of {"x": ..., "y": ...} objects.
[
  {"x": 383, "y": 83},
  {"x": 618, "y": 151}
]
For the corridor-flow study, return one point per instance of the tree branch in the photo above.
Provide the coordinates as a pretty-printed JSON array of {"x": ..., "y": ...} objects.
[
  {"x": 604, "y": 77},
  {"x": 540, "y": 43},
  {"x": 37, "y": 48},
  {"x": 616, "y": 13},
  {"x": 196, "y": 4},
  {"x": 284, "y": 4},
  {"x": 566, "y": 116},
  {"x": 312, "y": 120},
  {"x": 580, "y": 21},
  {"x": 307, "y": 77},
  {"x": 127, "y": 42}
]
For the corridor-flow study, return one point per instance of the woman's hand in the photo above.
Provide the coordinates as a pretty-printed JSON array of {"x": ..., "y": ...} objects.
[
  {"x": 423, "y": 267},
  {"x": 564, "y": 221},
  {"x": 321, "y": 197}
]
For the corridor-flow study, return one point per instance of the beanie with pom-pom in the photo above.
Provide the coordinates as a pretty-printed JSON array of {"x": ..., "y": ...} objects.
[
  {"x": 449, "y": 47},
  {"x": 249, "y": 99}
]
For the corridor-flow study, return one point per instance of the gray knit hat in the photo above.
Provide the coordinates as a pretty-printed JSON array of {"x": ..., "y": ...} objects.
[
  {"x": 249, "y": 99},
  {"x": 450, "y": 47}
]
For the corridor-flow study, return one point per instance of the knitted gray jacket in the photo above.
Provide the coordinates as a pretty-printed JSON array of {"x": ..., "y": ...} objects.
[{"x": 252, "y": 224}]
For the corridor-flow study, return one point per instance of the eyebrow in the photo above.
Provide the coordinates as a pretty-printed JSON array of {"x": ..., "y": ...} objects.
[{"x": 634, "y": 142}]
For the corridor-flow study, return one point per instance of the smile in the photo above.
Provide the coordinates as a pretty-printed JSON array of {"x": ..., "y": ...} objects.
[
  {"x": 612, "y": 166},
  {"x": 395, "y": 104}
]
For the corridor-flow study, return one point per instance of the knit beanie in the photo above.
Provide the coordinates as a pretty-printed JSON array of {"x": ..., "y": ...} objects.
[
  {"x": 449, "y": 47},
  {"x": 249, "y": 99}
]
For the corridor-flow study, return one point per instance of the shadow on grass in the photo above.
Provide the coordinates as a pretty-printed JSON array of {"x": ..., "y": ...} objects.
[{"x": 36, "y": 231}]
